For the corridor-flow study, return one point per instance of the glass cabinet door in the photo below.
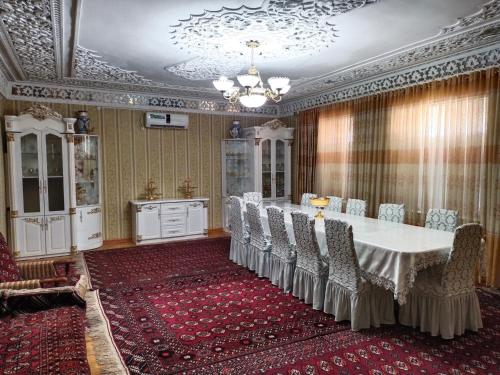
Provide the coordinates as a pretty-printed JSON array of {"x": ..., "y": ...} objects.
[
  {"x": 280, "y": 169},
  {"x": 54, "y": 188},
  {"x": 30, "y": 173},
  {"x": 239, "y": 173},
  {"x": 266, "y": 169},
  {"x": 87, "y": 170}
]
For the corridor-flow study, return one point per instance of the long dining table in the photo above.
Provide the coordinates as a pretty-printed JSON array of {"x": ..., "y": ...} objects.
[{"x": 390, "y": 254}]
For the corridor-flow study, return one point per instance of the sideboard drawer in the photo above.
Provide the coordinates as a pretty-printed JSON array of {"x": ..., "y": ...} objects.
[
  {"x": 173, "y": 231},
  {"x": 173, "y": 208},
  {"x": 173, "y": 220}
]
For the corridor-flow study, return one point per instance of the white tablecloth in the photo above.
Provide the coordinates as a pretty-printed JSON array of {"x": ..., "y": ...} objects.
[{"x": 390, "y": 254}]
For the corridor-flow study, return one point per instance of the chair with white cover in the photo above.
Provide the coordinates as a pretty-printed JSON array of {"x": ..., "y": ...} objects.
[
  {"x": 392, "y": 212},
  {"x": 443, "y": 300},
  {"x": 254, "y": 197},
  {"x": 259, "y": 249},
  {"x": 311, "y": 273},
  {"x": 306, "y": 199},
  {"x": 356, "y": 207},
  {"x": 239, "y": 235},
  {"x": 283, "y": 257},
  {"x": 441, "y": 219},
  {"x": 348, "y": 295},
  {"x": 335, "y": 204}
]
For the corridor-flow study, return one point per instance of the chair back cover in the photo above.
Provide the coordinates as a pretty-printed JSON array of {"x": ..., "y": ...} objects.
[
  {"x": 238, "y": 230},
  {"x": 254, "y": 197},
  {"x": 279, "y": 236},
  {"x": 392, "y": 212},
  {"x": 460, "y": 270},
  {"x": 344, "y": 265},
  {"x": 8, "y": 267},
  {"x": 306, "y": 197},
  {"x": 441, "y": 219},
  {"x": 356, "y": 207},
  {"x": 306, "y": 245},
  {"x": 335, "y": 204},
  {"x": 257, "y": 236}
]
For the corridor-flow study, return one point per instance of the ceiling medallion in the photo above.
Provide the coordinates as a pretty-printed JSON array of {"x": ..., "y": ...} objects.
[
  {"x": 285, "y": 29},
  {"x": 254, "y": 94}
]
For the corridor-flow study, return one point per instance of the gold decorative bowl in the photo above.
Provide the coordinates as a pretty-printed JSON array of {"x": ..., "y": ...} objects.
[{"x": 319, "y": 203}]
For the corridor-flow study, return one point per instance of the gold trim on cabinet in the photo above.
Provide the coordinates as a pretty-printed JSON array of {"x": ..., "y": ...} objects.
[
  {"x": 10, "y": 137},
  {"x": 257, "y": 141},
  {"x": 31, "y": 220},
  {"x": 56, "y": 218},
  {"x": 70, "y": 138},
  {"x": 205, "y": 204},
  {"x": 73, "y": 249},
  {"x": 205, "y": 231},
  {"x": 138, "y": 208},
  {"x": 94, "y": 211},
  {"x": 139, "y": 237},
  {"x": 72, "y": 211},
  {"x": 13, "y": 214},
  {"x": 41, "y": 112},
  {"x": 95, "y": 235}
]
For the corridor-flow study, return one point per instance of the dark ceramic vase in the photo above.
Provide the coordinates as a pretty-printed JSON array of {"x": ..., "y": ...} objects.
[{"x": 82, "y": 123}]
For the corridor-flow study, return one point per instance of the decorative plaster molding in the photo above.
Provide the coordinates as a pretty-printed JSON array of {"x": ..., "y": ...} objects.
[
  {"x": 489, "y": 11},
  {"x": 41, "y": 112},
  {"x": 274, "y": 124},
  {"x": 29, "y": 25},
  {"x": 418, "y": 75},
  {"x": 89, "y": 66},
  {"x": 285, "y": 28},
  {"x": 50, "y": 93},
  {"x": 415, "y": 56}
]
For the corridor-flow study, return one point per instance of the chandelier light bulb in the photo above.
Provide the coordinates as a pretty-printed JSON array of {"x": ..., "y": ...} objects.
[
  {"x": 278, "y": 83},
  {"x": 223, "y": 84}
]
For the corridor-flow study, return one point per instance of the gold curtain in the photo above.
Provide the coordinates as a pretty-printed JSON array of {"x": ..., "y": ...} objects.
[
  {"x": 433, "y": 145},
  {"x": 306, "y": 138}
]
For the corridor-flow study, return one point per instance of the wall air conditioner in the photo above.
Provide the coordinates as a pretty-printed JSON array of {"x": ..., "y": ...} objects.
[{"x": 162, "y": 120}]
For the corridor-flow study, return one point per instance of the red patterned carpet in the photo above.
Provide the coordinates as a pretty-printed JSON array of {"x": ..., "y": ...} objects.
[{"x": 185, "y": 307}]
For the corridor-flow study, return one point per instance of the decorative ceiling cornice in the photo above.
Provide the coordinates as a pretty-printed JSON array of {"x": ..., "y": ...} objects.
[
  {"x": 454, "y": 44},
  {"x": 52, "y": 93},
  {"x": 442, "y": 69},
  {"x": 489, "y": 11}
]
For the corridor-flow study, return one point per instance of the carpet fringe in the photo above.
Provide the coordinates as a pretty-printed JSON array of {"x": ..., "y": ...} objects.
[
  {"x": 106, "y": 354},
  {"x": 81, "y": 268}
]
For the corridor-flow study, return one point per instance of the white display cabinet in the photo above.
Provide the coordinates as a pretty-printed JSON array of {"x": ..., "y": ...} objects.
[
  {"x": 259, "y": 161},
  {"x": 88, "y": 228},
  {"x": 39, "y": 143},
  {"x": 162, "y": 220}
]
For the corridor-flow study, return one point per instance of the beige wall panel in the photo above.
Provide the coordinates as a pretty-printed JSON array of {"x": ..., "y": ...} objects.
[
  {"x": 126, "y": 170},
  {"x": 215, "y": 218},
  {"x": 169, "y": 189},
  {"x": 140, "y": 152},
  {"x": 194, "y": 154},
  {"x": 111, "y": 174},
  {"x": 181, "y": 159},
  {"x": 3, "y": 182}
]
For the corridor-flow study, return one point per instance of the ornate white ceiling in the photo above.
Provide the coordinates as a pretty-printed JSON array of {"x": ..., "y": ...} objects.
[{"x": 164, "y": 53}]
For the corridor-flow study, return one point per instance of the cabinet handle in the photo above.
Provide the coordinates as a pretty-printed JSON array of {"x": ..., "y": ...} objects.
[
  {"x": 46, "y": 224},
  {"x": 45, "y": 187},
  {"x": 81, "y": 217},
  {"x": 40, "y": 187}
]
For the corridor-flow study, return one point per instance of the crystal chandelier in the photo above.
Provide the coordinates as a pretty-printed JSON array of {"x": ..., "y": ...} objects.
[{"x": 253, "y": 94}]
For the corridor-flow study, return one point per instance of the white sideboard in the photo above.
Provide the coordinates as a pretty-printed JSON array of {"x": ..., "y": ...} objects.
[{"x": 155, "y": 221}]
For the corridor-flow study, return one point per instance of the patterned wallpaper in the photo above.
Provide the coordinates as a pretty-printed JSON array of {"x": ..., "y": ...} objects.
[
  {"x": 3, "y": 195},
  {"x": 132, "y": 154}
]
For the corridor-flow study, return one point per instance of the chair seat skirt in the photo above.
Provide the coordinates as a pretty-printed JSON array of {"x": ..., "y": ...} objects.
[
  {"x": 369, "y": 307},
  {"x": 430, "y": 309},
  {"x": 282, "y": 272},
  {"x": 239, "y": 251},
  {"x": 310, "y": 287}
]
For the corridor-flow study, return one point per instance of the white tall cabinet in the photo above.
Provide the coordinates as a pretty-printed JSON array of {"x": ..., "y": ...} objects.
[
  {"x": 53, "y": 184},
  {"x": 259, "y": 161},
  {"x": 87, "y": 167},
  {"x": 39, "y": 144}
]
